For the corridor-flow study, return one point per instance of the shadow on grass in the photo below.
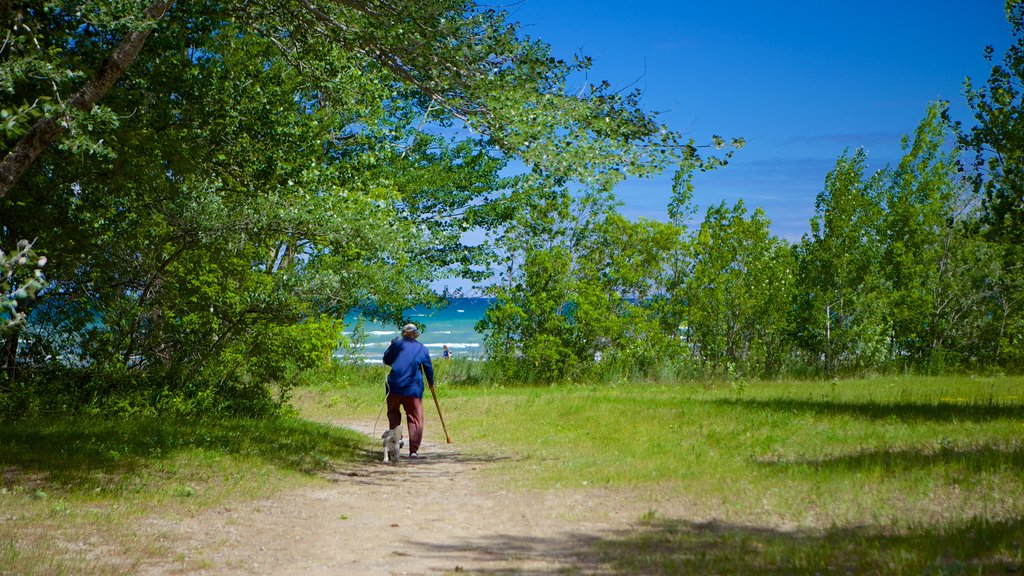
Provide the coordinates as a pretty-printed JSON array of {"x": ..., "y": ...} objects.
[
  {"x": 666, "y": 546},
  {"x": 902, "y": 411},
  {"x": 70, "y": 452},
  {"x": 968, "y": 460}
]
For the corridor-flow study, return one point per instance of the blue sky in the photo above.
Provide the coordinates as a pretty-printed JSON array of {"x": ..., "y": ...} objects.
[{"x": 801, "y": 81}]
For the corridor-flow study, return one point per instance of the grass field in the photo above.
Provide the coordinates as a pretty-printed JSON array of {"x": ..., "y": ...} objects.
[
  {"x": 886, "y": 475},
  {"x": 901, "y": 475},
  {"x": 74, "y": 491}
]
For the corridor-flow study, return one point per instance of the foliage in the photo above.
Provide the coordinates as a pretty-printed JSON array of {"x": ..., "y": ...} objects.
[
  {"x": 262, "y": 169},
  {"x": 738, "y": 291},
  {"x": 897, "y": 273},
  {"x": 625, "y": 276},
  {"x": 919, "y": 206},
  {"x": 997, "y": 135},
  {"x": 997, "y": 174},
  {"x": 22, "y": 279},
  {"x": 251, "y": 172},
  {"x": 841, "y": 294},
  {"x": 897, "y": 269},
  {"x": 943, "y": 269},
  {"x": 583, "y": 292},
  {"x": 530, "y": 335}
]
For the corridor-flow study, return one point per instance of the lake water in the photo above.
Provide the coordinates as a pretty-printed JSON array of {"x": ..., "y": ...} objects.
[{"x": 451, "y": 326}]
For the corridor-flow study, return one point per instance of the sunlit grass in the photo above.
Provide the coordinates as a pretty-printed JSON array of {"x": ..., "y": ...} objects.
[{"x": 883, "y": 475}]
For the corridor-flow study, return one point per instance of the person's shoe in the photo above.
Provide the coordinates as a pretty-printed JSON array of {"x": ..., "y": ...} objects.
[{"x": 414, "y": 455}]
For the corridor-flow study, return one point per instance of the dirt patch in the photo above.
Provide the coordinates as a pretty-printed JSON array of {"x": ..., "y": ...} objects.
[{"x": 435, "y": 515}]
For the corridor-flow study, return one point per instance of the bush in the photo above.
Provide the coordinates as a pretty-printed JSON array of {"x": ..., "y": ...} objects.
[{"x": 250, "y": 378}]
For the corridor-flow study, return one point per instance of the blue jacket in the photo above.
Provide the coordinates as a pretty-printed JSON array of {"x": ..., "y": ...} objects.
[{"x": 406, "y": 356}]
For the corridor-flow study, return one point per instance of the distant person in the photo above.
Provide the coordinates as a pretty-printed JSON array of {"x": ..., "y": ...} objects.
[
  {"x": 446, "y": 353},
  {"x": 409, "y": 360}
]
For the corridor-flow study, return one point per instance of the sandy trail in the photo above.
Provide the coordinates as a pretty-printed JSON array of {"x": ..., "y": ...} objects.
[{"x": 435, "y": 515}]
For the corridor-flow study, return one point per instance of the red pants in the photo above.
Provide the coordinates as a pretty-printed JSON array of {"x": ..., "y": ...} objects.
[{"x": 413, "y": 416}]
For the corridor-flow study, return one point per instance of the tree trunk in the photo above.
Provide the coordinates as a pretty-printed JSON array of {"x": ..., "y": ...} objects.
[
  {"x": 10, "y": 354},
  {"x": 48, "y": 130}
]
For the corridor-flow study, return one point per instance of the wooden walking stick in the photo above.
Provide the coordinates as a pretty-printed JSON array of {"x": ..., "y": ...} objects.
[{"x": 443, "y": 427}]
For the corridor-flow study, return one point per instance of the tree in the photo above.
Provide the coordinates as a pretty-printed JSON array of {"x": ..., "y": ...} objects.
[
  {"x": 468, "y": 63},
  {"x": 920, "y": 202},
  {"x": 56, "y": 120},
  {"x": 624, "y": 274},
  {"x": 535, "y": 327},
  {"x": 262, "y": 168},
  {"x": 996, "y": 138},
  {"x": 841, "y": 294},
  {"x": 584, "y": 291},
  {"x": 22, "y": 278},
  {"x": 738, "y": 294}
]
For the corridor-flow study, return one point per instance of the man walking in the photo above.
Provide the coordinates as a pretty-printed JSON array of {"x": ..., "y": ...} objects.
[{"x": 409, "y": 360}]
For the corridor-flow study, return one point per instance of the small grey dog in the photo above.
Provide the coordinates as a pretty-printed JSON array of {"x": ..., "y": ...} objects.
[{"x": 393, "y": 443}]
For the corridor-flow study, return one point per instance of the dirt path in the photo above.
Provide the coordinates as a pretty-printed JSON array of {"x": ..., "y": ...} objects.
[{"x": 435, "y": 515}]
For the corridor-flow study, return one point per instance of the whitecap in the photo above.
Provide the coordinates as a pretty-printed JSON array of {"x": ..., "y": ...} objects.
[{"x": 453, "y": 345}]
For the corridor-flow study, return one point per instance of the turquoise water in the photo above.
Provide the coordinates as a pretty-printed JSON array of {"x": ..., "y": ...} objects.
[{"x": 451, "y": 326}]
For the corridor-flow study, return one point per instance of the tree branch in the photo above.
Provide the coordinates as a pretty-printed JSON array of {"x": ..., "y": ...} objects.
[{"x": 48, "y": 130}]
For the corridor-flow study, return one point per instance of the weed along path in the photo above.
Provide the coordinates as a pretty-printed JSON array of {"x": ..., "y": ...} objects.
[{"x": 439, "y": 514}]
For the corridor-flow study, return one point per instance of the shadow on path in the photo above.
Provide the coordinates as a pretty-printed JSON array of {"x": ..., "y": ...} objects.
[{"x": 435, "y": 461}]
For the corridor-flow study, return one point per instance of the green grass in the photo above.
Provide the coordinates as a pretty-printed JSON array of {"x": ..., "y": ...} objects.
[
  {"x": 87, "y": 480},
  {"x": 900, "y": 475},
  {"x": 887, "y": 475},
  {"x": 667, "y": 546}
]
